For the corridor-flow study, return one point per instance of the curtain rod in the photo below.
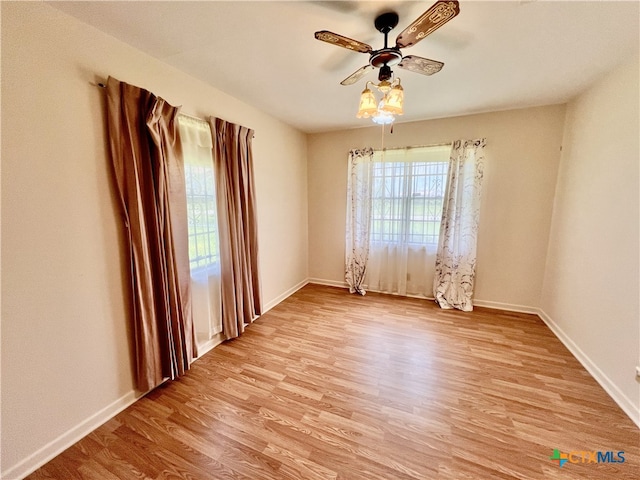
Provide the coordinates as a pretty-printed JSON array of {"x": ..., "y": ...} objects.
[
  {"x": 192, "y": 117},
  {"x": 418, "y": 146}
]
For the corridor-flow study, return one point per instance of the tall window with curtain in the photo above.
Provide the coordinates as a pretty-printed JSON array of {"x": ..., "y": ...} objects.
[
  {"x": 412, "y": 221},
  {"x": 187, "y": 197},
  {"x": 202, "y": 222},
  {"x": 408, "y": 187}
]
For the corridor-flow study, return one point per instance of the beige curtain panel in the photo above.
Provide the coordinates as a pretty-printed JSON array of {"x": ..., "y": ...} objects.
[
  {"x": 238, "y": 231},
  {"x": 456, "y": 256},
  {"x": 147, "y": 164}
]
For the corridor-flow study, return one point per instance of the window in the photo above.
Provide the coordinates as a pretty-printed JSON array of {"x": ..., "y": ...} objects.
[
  {"x": 201, "y": 215},
  {"x": 202, "y": 223},
  {"x": 201, "y": 195},
  {"x": 408, "y": 191}
]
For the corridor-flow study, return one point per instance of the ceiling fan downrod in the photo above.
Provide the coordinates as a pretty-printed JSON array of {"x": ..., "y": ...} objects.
[{"x": 385, "y": 56}]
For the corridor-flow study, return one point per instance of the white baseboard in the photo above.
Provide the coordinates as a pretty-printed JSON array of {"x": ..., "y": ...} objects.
[
  {"x": 627, "y": 405},
  {"x": 328, "y": 283},
  {"x": 209, "y": 345},
  {"x": 64, "y": 441},
  {"x": 333, "y": 283},
  {"x": 480, "y": 303},
  {"x": 269, "y": 305},
  {"x": 506, "y": 306}
]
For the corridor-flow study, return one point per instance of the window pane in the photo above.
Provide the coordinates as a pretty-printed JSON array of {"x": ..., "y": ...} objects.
[
  {"x": 408, "y": 189},
  {"x": 201, "y": 216}
]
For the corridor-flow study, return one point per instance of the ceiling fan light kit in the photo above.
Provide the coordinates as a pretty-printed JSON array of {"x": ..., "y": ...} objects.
[
  {"x": 391, "y": 104},
  {"x": 392, "y": 101}
]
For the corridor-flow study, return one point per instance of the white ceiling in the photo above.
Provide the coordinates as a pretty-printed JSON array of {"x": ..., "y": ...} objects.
[{"x": 498, "y": 55}]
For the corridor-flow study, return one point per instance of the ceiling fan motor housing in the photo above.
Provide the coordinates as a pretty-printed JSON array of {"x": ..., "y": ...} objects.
[{"x": 385, "y": 56}]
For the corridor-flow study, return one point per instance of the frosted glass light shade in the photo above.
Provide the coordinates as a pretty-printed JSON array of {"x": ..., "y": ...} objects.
[
  {"x": 394, "y": 101},
  {"x": 368, "y": 105}
]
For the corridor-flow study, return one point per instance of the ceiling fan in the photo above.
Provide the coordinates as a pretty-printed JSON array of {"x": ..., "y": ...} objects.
[{"x": 436, "y": 16}]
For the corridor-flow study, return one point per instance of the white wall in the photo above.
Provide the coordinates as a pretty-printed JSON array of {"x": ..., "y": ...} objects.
[
  {"x": 522, "y": 156},
  {"x": 591, "y": 286},
  {"x": 66, "y": 359}
]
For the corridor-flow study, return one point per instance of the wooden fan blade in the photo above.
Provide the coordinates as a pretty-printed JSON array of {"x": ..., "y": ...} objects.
[
  {"x": 344, "y": 42},
  {"x": 420, "y": 65},
  {"x": 357, "y": 75},
  {"x": 439, "y": 14}
]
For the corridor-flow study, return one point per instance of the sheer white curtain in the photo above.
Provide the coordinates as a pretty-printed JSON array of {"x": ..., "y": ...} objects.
[
  {"x": 204, "y": 257},
  {"x": 358, "y": 218},
  {"x": 408, "y": 186},
  {"x": 456, "y": 257}
]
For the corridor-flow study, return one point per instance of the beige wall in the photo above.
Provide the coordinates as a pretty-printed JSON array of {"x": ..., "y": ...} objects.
[
  {"x": 65, "y": 351},
  {"x": 522, "y": 155},
  {"x": 591, "y": 288}
]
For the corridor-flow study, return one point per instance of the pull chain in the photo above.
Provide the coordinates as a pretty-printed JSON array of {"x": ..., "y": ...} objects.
[{"x": 382, "y": 138}]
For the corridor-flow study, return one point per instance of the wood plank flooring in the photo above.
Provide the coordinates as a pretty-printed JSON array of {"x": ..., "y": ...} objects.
[{"x": 329, "y": 385}]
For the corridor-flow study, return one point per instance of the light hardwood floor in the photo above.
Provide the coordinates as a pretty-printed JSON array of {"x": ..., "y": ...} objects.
[{"x": 329, "y": 385}]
